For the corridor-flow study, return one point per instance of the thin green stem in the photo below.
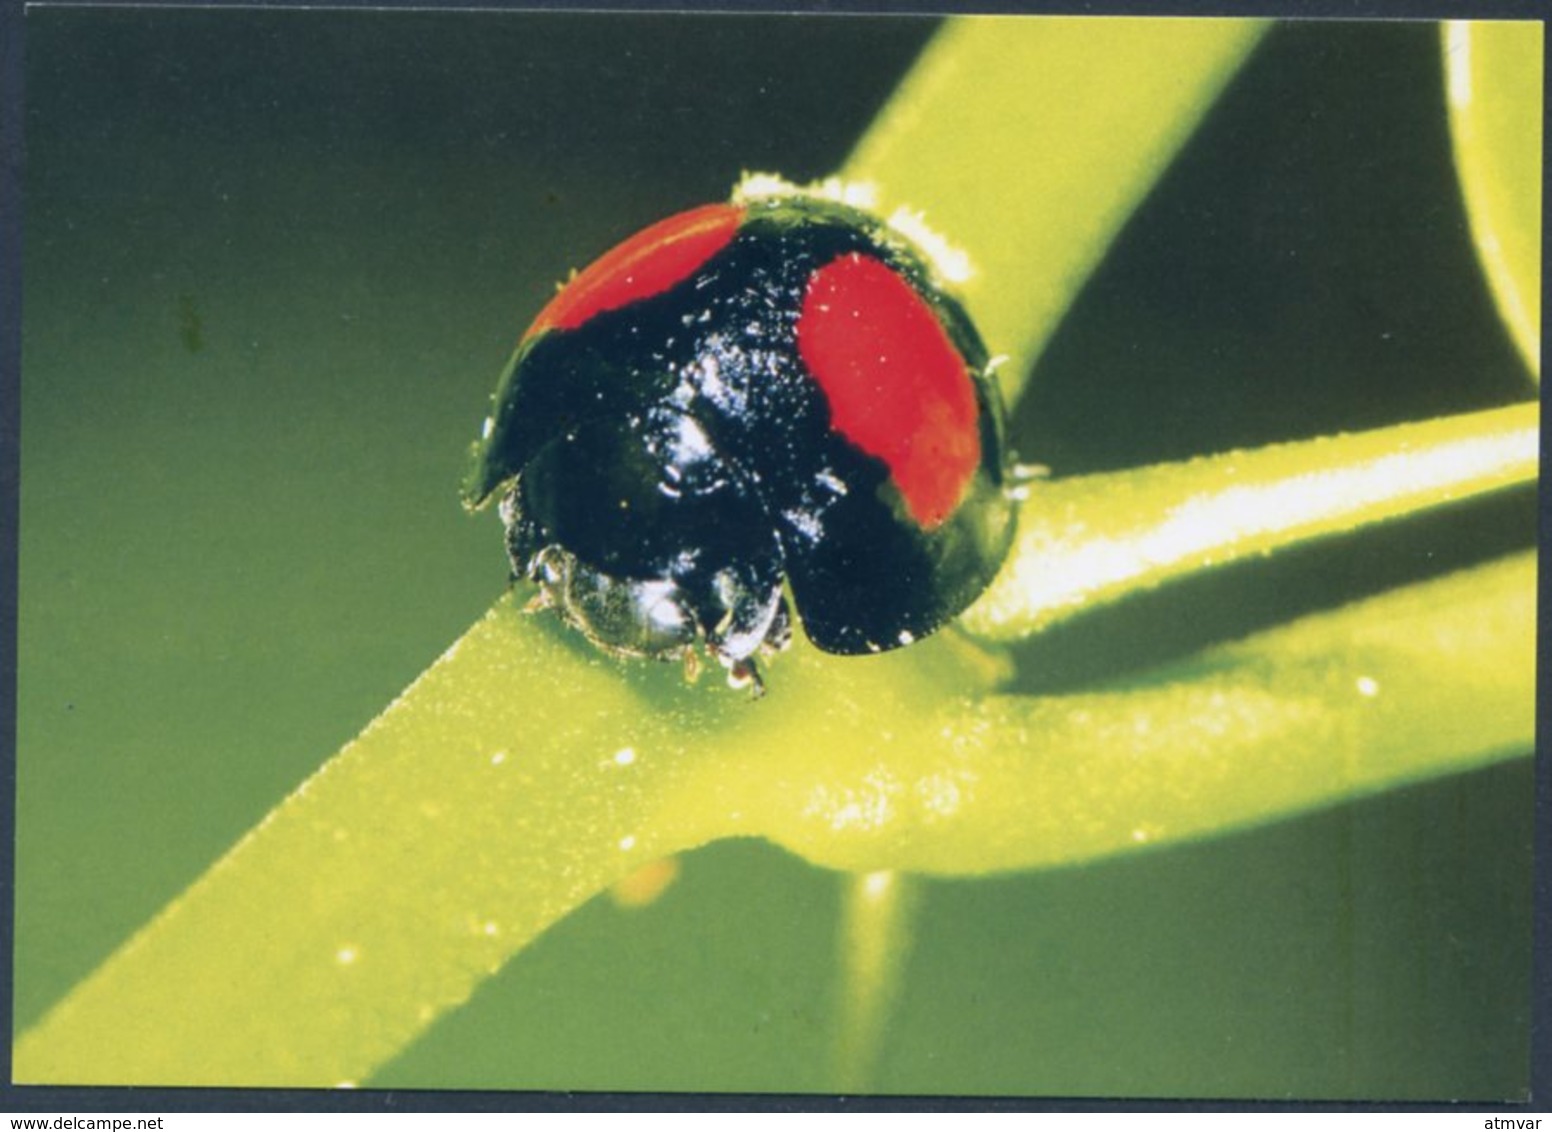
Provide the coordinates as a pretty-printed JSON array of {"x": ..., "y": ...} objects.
[
  {"x": 876, "y": 928},
  {"x": 1493, "y": 86},
  {"x": 1425, "y": 680},
  {"x": 1092, "y": 539}
]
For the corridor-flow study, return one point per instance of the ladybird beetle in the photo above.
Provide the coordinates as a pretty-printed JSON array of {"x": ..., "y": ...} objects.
[{"x": 772, "y": 389}]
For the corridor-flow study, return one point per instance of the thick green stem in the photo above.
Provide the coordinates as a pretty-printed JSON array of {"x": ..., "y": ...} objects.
[
  {"x": 1028, "y": 142},
  {"x": 520, "y": 776},
  {"x": 470, "y": 816},
  {"x": 385, "y": 888}
]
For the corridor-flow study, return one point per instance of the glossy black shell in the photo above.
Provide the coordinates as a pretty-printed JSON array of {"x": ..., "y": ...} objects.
[{"x": 586, "y": 419}]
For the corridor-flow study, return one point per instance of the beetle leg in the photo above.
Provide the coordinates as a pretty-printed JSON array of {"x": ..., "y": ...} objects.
[
  {"x": 746, "y": 674},
  {"x": 779, "y": 635}
]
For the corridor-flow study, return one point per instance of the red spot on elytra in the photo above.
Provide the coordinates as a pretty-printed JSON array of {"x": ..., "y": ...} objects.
[
  {"x": 647, "y": 264},
  {"x": 897, "y": 387}
]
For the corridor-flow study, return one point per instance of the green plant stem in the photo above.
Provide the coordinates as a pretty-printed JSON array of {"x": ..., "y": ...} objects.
[
  {"x": 1090, "y": 539},
  {"x": 1028, "y": 142},
  {"x": 468, "y": 818},
  {"x": 521, "y": 775},
  {"x": 1426, "y": 680},
  {"x": 1493, "y": 83},
  {"x": 876, "y": 927},
  {"x": 375, "y": 897},
  {"x": 473, "y": 813}
]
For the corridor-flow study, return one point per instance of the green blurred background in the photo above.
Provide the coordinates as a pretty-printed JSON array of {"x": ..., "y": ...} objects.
[{"x": 274, "y": 261}]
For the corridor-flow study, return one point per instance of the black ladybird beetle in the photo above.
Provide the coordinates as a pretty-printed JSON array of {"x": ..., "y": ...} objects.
[{"x": 773, "y": 388}]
